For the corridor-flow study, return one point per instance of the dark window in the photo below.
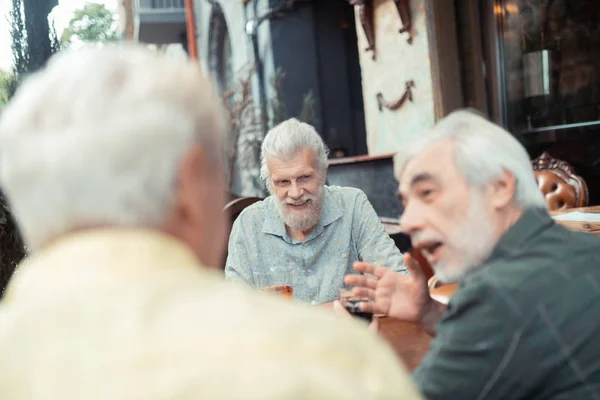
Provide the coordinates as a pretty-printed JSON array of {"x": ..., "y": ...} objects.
[
  {"x": 220, "y": 54},
  {"x": 550, "y": 54}
]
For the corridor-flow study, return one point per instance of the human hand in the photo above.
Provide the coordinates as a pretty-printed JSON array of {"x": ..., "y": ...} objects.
[
  {"x": 405, "y": 297},
  {"x": 339, "y": 309}
]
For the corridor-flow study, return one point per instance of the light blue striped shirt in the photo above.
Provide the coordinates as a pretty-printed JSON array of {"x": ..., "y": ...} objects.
[{"x": 349, "y": 230}]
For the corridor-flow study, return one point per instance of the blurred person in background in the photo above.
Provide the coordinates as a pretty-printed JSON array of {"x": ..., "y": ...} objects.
[{"x": 111, "y": 160}]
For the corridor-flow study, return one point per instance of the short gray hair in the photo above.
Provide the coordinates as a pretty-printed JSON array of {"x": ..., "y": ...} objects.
[
  {"x": 98, "y": 136},
  {"x": 287, "y": 139},
  {"x": 482, "y": 152}
]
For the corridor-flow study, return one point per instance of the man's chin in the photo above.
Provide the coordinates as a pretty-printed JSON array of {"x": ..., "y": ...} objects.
[{"x": 446, "y": 274}]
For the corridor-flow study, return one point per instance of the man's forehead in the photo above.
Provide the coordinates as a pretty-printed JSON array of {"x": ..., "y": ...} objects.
[
  {"x": 301, "y": 163},
  {"x": 434, "y": 163}
]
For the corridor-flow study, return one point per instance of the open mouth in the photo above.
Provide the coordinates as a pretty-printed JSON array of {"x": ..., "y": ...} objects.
[
  {"x": 299, "y": 205},
  {"x": 430, "y": 249}
]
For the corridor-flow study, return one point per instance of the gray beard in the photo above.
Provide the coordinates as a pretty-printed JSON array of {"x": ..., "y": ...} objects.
[
  {"x": 302, "y": 221},
  {"x": 475, "y": 238}
]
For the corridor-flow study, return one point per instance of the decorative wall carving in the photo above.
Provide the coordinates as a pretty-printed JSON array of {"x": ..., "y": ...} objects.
[
  {"x": 381, "y": 102},
  {"x": 365, "y": 14},
  {"x": 403, "y": 7}
]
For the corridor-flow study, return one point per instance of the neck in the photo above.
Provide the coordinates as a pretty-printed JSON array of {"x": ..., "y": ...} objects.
[
  {"x": 298, "y": 235},
  {"x": 508, "y": 218}
]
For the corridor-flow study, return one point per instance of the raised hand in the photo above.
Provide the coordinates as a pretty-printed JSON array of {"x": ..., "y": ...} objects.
[{"x": 404, "y": 297}]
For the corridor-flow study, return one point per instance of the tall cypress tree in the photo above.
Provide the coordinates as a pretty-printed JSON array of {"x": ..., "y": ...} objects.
[
  {"x": 34, "y": 40},
  {"x": 41, "y": 39}
]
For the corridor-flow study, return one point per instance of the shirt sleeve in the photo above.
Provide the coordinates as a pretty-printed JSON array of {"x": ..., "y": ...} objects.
[
  {"x": 374, "y": 244},
  {"x": 474, "y": 353},
  {"x": 237, "y": 267}
]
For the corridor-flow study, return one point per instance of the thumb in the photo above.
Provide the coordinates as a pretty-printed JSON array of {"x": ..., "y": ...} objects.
[
  {"x": 339, "y": 309},
  {"x": 414, "y": 261},
  {"x": 374, "y": 326}
]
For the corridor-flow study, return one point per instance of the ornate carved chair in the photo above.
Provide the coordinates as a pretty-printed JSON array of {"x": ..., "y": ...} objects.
[{"x": 557, "y": 180}]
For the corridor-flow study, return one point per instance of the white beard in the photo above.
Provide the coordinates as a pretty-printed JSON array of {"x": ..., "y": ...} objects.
[
  {"x": 474, "y": 239},
  {"x": 302, "y": 221}
]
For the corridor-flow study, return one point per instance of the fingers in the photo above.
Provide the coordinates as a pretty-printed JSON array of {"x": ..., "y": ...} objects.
[
  {"x": 371, "y": 269},
  {"x": 360, "y": 281},
  {"x": 364, "y": 292},
  {"x": 370, "y": 307}
]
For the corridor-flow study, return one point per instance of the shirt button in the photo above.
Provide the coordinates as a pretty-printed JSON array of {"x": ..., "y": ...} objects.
[{"x": 313, "y": 302}]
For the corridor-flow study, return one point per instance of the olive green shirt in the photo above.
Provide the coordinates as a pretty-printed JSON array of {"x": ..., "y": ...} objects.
[{"x": 526, "y": 325}]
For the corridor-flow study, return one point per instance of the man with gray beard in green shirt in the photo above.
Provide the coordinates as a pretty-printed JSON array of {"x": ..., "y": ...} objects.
[{"x": 523, "y": 323}]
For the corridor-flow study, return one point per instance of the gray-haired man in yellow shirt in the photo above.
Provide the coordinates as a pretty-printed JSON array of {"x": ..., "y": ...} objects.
[{"x": 110, "y": 158}]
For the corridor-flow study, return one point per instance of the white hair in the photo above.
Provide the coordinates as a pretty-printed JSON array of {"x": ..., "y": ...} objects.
[
  {"x": 286, "y": 140},
  {"x": 482, "y": 152},
  {"x": 97, "y": 138}
]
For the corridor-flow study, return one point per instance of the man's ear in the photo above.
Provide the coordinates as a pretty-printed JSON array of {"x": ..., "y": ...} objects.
[
  {"x": 191, "y": 176},
  {"x": 503, "y": 190}
]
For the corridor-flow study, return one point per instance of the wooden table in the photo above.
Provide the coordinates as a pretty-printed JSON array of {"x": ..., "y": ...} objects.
[
  {"x": 408, "y": 340},
  {"x": 581, "y": 226}
]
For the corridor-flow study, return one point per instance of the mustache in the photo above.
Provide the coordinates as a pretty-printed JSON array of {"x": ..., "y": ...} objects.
[
  {"x": 424, "y": 237},
  {"x": 299, "y": 201}
]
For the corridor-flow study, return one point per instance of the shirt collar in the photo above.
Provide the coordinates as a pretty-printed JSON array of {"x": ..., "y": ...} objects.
[
  {"x": 522, "y": 232},
  {"x": 274, "y": 225}
]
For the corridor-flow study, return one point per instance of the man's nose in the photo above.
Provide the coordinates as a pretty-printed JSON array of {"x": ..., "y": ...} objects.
[
  {"x": 412, "y": 219},
  {"x": 295, "y": 191}
]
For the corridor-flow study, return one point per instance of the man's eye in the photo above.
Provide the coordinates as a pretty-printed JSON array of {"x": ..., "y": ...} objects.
[{"x": 426, "y": 193}]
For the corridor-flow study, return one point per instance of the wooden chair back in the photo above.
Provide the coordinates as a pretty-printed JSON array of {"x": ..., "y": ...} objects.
[
  {"x": 562, "y": 188},
  {"x": 233, "y": 209}
]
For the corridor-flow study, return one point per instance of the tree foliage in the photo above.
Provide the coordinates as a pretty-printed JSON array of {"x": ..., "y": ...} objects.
[
  {"x": 92, "y": 23},
  {"x": 12, "y": 250},
  {"x": 4, "y": 87}
]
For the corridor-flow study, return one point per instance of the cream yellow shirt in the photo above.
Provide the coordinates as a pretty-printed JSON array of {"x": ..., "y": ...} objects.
[{"x": 132, "y": 315}]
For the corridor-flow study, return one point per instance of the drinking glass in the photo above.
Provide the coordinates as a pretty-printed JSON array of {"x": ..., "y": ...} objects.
[
  {"x": 275, "y": 280},
  {"x": 352, "y": 304}
]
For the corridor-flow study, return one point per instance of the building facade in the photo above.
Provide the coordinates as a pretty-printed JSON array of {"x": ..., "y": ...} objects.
[{"x": 382, "y": 71}]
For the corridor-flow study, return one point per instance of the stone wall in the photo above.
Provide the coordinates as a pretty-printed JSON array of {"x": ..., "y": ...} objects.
[{"x": 396, "y": 62}]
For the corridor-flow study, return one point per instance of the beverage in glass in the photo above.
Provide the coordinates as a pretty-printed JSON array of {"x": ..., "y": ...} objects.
[{"x": 275, "y": 280}]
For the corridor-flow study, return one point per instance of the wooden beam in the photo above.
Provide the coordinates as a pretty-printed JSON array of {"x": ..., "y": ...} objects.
[
  {"x": 444, "y": 57},
  {"x": 190, "y": 23}
]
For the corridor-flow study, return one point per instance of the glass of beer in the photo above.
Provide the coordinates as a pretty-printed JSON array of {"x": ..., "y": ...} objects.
[
  {"x": 275, "y": 280},
  {"x": 352, "y": 304}
]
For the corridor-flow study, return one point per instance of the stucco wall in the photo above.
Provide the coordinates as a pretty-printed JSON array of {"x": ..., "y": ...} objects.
[{"x": 396, "y": 62}]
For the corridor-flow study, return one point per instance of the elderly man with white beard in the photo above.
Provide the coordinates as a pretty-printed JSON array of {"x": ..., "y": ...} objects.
[
  {"x": 523, "y": 323},
  {"x": 318, "y": 230}
]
